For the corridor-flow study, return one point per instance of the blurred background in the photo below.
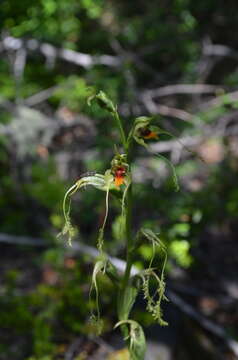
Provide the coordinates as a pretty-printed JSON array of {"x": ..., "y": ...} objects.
[{"x": 176, "y": 59}]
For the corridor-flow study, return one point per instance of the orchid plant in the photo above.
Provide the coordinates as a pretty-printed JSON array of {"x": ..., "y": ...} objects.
[{"x": 118, "y": 180}]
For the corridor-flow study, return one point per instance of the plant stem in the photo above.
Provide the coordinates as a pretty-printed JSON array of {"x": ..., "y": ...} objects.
[
  {"x": 129, "y": 239},
  {"x": 123, "y": 309},
  {"x": 128, "y": 222},
  {"x": 122, "y": 132}
]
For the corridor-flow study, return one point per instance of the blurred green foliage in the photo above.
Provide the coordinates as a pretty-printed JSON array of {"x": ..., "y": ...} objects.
[{"x": 51, "y": 311}]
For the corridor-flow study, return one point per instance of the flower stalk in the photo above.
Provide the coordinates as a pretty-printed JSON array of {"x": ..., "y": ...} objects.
[{"x": 128, "y": 205}]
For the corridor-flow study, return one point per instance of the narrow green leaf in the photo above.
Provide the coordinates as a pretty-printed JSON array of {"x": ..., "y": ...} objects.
[
  {"x": 161, "y": 132},
  {"x": 99, "y": 267},
  {"x": 96, "y": 180},
  {"x": 172, "y": 168},
  {"x": 108, "y": 179},
  {"x": 126, "y": 300}
]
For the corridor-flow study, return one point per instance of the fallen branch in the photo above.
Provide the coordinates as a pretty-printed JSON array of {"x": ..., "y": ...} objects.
[
  {"x": 22, "y": 240},
  {"x": 205, "y": 323},
  {"x": 50, "y": 51},
  {"x": 219, "y": 101},
  {"x": 41, "y": 96},
  {"x": 165, "y": 110},
  {"x": 189, "y": 89},
  {"x": 75, "y": 248},
  {"x": 210, "y": 49}
]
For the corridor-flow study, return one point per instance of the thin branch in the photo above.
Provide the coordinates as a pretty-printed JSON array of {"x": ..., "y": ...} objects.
[
  {"x": 220, "y": 129},
  {"x": 189, "y": 89},
  {"x": 50, "y": 51},
  {"x": 204, "y": 322},
  {"x": 167, "y": 146},
  {"x": 165, "y": 110},
  {"x": 131, "y": 57},
  {"x": 18, "y": 70},
  {"x": 75, "y": 248},
  {"x": 22, "y": 240},
  {"x": 41, "y": 96},
  {"x": 219, "y": 100},
  {"x": 219, "y": 50}
]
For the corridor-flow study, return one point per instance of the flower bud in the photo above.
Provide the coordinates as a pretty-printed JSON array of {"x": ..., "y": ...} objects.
[{"x": 104, "y": 102}]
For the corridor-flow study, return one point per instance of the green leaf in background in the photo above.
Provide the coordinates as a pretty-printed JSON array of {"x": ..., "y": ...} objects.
[{"x": 179, "y": 250}]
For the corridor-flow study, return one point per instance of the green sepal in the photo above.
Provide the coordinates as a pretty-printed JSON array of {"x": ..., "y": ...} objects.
[
  {"x": 99, "y": 181},
  {"x": 172, "y": 168},
  {"x": 142, "y": 121},
  {"x": 136, "y": 339},
  {"x": 99, "y": 267},
  {"x": 139, "y": 123},
  {"x": 108, "y": 179},
  {"x": 153, "y": 301}
]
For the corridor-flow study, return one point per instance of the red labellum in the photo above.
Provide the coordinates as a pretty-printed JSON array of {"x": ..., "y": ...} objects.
[
  {"x": 119, "y": 175},
  {"x": 146, "y": 133}
]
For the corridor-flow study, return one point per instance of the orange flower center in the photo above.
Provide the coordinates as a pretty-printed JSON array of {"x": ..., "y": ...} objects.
[
  {"x": 119, "y": 180},
  {"x": 146, "y": 133},
  {"x": 119, "y": 176}
]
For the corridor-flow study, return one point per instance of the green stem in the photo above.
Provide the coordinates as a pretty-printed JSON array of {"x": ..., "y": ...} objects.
[
  {"x": 122, "y": 132},
  {"x": 129, "y": 239},
  {"x": 128, "y": 224}
]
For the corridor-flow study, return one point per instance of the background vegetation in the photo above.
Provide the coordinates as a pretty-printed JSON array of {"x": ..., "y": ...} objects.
[{"x": 175, "y": 59}]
